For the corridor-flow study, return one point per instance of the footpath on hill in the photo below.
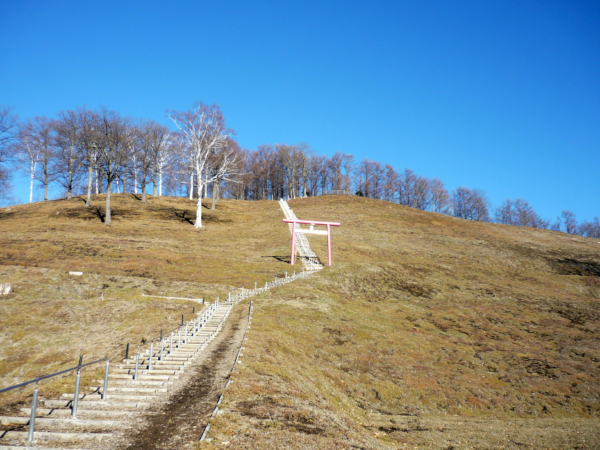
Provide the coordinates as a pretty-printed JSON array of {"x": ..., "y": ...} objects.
[{"x": 179, "y": 422}]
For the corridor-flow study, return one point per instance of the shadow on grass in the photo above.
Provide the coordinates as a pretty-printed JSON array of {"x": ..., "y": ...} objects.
[
  {"x": 181, "y": 215},
  {"x": 285, "y": 259},
  {"x": 98, "y": 212}
]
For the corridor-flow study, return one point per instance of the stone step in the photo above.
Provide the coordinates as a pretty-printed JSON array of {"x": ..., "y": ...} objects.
[
  {"x": 129, "y": 377},
  {"x": 155, "y": 372},
  {"x": 163, "y": 366},
  {"x": 133, "y": 383},
  {"x": 169, "y": 372},
  {"x": 116, "y": 396},
  {"x": 158, "y": 367},
  {"x": 135, "y": 390},
  {"x": 99, "y": 405},
  {"x": 81, "y": 412},
  {"x": 62, "y": 424},
  {"x": 28, "y": 447},
  {"x": 144, "y": 363},
  {"x": 50, "y": 437}
]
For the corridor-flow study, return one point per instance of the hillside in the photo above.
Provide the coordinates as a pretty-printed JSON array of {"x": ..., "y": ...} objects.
[
  {"x": 427, "y": 330},
  {"x": 150, "y": 249}
]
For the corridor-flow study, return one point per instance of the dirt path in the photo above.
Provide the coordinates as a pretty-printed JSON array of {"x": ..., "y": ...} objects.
[{"x": 179, "y": 422}]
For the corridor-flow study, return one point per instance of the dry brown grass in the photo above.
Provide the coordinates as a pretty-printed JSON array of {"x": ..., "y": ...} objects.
[
  {"x": 427, "y": 331},
  {"x": 152, "y": 248}
]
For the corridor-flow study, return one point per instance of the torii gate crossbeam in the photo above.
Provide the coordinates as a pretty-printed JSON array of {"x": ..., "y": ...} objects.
[{"x": 312, "y": 223}]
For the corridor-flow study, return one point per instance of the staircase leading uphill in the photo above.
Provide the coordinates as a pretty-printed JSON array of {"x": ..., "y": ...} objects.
[
  {"x": 96, "y": 420},
  {"x": 309, "y": 259}
]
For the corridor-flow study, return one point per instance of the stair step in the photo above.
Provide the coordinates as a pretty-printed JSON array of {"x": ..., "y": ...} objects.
[
  {"x": 12, "y": 447},
  {"x": 47, "y": 423},
  {"x": 132, "y": 383},
  {"x": 135, "y": 390},
  {"x": 118, "y": 397},
  {"x": 170, "y": 372},
  {"x": 143, "y": 378},
  {"x": 95, "y": 405},
  {"x": 81, "y": 412},
  {"x": 47, "y": 436}
]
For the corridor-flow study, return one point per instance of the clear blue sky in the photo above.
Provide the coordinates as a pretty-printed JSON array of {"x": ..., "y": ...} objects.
[{"x": 503, "y": 96}]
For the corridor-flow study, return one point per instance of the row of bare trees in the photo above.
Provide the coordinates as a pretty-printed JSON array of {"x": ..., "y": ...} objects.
[
  {"x": 289, "y": 171},
  {"x": 86, "y": 151},
  {"x": 102, "y": 151}
]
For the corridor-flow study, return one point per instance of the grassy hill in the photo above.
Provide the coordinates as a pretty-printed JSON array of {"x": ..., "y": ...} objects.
[
  {"x": 151, "y": 249},
  {"x": 426, "y": 331}
]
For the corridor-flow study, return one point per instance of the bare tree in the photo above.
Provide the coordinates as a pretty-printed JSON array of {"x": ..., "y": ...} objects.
[
  {"x": 590, "y": 229},
  {"x": 161, "y": 154},
  {"x": 231, "y": 155},
  {"x": 144, "y": 156},
  {"x": 41, "y": 143},
  {"x": 390, "y": 183},
  {"x": 470, "y": 204},
  {"x": 113, "y": 151},
  {"x": 440, "y": 198},
  {"x": 89, "y": 145},
  {"x": 206, "y": 134},
  {"x": 421, "y": 193},
  {"x": 27, "y": 153},
  {"x": 364, "y": 177},
  {"x": 569, "y": 221},
  {"x": 68, "y": 153},
  {"x": 8, "y": 132}
]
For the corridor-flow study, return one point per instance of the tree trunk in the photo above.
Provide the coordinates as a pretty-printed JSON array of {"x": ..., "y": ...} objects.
[
  {"x": 107, "y": 218},
  {"x": 70, "y": 184},
  {"x": 135, "y": 180},
  {"x": 125, "y": 176},
  {"x": 31, "y": 189},
  {"x": 192, "y": 185},
  {"x": 46, "y": 185},
  {"x": 198, "y": 223},
  {"x": 215, "y": 194},
  {"x": 144, "y": 200},
  {"x": 154, "y": 183},
  {"x": 88, "y": 201}
]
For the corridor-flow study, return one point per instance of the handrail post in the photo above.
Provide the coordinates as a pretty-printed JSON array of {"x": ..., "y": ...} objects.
[
  {"x": 151, "y": 352},
  {"x": 33, "y": 413},
  {"x": 105, "y": 393},
  {"x": 137, "y": 363},
  {"x": 162, "y": 342},
  {"x": 76, "y": 397}
]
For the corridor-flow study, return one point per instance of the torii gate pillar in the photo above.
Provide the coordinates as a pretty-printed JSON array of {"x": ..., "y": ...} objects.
[{"x": 312, "y": 223}]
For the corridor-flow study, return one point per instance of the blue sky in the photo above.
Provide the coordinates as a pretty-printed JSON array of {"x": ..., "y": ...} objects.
[{"x": 503, "y": 96}]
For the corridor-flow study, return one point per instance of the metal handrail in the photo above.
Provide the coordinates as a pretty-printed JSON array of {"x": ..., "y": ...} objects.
[
  {"x": 36, "y": 380},
  {"x": 75, "y": 401},
  {"x": 174, "y": 329}
]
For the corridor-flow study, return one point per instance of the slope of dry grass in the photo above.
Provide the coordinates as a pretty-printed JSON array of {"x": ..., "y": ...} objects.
[
  {"x": 427, "y": 331},
  {"x": 53, "y": 317}
]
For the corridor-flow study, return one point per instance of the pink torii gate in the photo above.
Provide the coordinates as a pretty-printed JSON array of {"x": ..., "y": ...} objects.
[{"x": 311, "y": 230}]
